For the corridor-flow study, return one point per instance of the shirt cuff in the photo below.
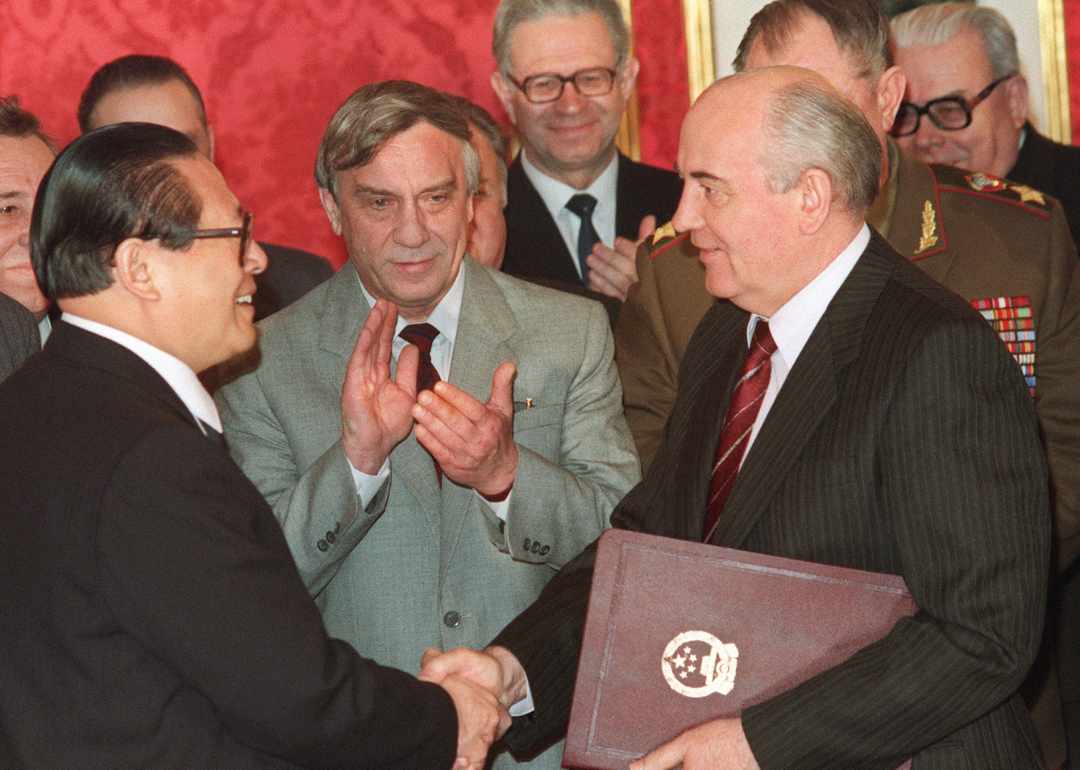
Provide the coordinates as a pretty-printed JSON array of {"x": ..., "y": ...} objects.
[
  {"x": 525, "y": 705},
  {"x": 500, "y": 508},
  {"x": 368, "y": 486}
]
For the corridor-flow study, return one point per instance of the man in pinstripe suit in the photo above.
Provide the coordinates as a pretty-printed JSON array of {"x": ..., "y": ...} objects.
[{"x": 896, "y": 434}]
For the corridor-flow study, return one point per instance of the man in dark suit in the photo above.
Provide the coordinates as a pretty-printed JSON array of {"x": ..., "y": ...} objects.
[
  {"x": 576, "y": 206},
  {"x": 967, "y": 102},
  {"x": 162, "y": 622},
  {"x": 154, "y": 89},
  {"x": 894, "y": 433},
  {"x": 18, "y": 335}
]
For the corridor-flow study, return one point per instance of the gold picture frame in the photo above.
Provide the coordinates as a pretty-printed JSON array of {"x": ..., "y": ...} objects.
[{"x": 1055, "y": 76}]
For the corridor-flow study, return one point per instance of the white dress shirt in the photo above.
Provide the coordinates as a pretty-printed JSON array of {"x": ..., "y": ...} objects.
[
  {"x": 792, "y": 325},
  {"x": 556, "y": 194},
  {"x": 178, "y": 375}
]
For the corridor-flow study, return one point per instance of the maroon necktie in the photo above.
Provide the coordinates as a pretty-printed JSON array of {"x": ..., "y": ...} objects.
[
  {"x": 422, "y": 335},
  {"x": 743, "y": 410}
]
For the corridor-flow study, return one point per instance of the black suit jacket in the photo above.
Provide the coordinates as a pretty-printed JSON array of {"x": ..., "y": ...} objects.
[
  {"x": 153, "y": 616},
  {"x": 289, "y": 275},
  {"x": 19, "y": 336},
  {"x": 536, "y": 249},
  {"x": 903, "y": 441},
  {"x": 1053, "y": 168}
]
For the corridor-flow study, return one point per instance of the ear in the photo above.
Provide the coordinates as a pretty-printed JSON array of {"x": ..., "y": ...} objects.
[
  {"x": 331, "y": 208},
  {"x": 135, "y": 267},
  {"x": 506, "y": 95},
  {"x": 629, "y": 76},
  {"x": 890, "y": 93},
  {"x": 815, "y": 200},
  {"x": 1016, "y": 95}
]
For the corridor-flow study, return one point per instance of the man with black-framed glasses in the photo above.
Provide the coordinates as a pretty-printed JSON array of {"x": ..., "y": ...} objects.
[
  {"x": 966, "y": 102},
  {"x": 576, "y": 206}
]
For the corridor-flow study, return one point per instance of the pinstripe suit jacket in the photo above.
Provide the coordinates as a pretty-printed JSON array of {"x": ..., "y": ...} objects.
[
  {"x": 19, "y": 338},
  {"x": 903, "y": 441}
]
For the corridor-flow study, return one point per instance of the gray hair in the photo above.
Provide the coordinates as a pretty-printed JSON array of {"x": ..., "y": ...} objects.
[
  {"x": 860, "y": 28},
  {"x": 933, "y": 25},
  {"x": 511, "y": 13},
  {"x": 807, "y": 126},
  {"x": 500, "y": 144},
  {"x": 376, "y": 113}
]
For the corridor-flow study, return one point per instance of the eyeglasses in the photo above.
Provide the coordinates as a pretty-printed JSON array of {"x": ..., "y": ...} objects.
[
  {"x": 541, "y": 89},
  {"x": 243, "y": 233},
  {"x": 950, "y": 113}
]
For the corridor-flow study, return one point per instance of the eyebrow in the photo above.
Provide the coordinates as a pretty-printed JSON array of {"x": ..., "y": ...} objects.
[{"x": 450, "y": 185}]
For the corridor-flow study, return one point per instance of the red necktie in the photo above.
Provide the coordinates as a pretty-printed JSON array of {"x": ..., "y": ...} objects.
[
  {"x": 422, "y": 335},
  {"x": 743, "y": 410}
]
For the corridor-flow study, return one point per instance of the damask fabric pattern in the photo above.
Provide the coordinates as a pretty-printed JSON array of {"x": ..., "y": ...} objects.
[{"x": 273, "y": 73}]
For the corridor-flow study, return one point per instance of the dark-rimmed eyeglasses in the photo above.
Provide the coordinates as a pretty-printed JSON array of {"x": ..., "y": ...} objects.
[
  {"x": 949, "y": 113},
  {"x": 541, "y": 89},
  {"x": 243, "y": 233}
]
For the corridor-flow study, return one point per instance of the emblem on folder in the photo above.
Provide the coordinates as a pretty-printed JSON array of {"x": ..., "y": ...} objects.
[{"x": 697, "y": 664}]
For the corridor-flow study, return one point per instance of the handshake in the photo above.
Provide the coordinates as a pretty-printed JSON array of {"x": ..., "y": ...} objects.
[{"x": 484, "y": 685}]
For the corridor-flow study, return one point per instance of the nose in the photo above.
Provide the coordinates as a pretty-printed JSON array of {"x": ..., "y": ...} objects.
[
  {"x": 411, "y": 230},
  {"x": 688, "y": 214},
  {"x": 927, "y": 135},
  {"x": 570, "y": 100},
  {"x": 255, "y": 261}
]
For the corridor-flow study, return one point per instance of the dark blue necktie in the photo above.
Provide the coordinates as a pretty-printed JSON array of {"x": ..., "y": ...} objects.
[{"x": 583, "y": 205}]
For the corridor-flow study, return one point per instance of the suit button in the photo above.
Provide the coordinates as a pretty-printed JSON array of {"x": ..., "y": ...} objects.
[
  {"x": 526, "y": 544},
  {"x": 322, "y": 545},
  {"x": 452, "y": 619},
  {"x": 535, "y": 548},
  {"x": 544, "y": 551},
  {"x": 330, "y": 537}
]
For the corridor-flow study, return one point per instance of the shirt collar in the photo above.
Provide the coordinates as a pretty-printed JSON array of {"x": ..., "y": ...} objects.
[
  {"x": 178, "y": 375},
  {"x": 792, "y": 325},
  {"x": 446, "y": 314},
  {"x": 555, "y": 194}
]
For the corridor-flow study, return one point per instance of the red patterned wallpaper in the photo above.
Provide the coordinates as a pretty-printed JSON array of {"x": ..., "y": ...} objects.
[{"x": 272, "y": 73}]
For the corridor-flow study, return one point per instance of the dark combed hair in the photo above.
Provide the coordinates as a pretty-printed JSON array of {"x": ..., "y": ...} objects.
[
  {"x": 134, "y": 71},
  {"x": 115, "y": 183}
]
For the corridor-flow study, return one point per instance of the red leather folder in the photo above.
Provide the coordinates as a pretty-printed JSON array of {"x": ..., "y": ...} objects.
[{"x": 679, "y": 633}]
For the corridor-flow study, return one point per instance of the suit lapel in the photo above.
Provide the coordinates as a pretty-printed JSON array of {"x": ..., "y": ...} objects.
[
  {"x": 485, "y": 326},
  {"x": 534, "y": 246},
  {"x": 808, "y": 394},
  {"x": 340, "y": 321}
]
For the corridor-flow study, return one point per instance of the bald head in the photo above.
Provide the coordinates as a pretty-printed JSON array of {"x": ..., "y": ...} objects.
[{"x": 780, "y": 168}]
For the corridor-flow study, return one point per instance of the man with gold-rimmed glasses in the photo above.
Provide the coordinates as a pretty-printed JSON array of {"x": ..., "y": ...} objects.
[{"x": 575, "y": 204}]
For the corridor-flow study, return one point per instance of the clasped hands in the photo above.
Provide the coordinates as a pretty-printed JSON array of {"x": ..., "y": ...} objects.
[
  {"x": 716, "y": 745},
  {"x": 473, "y": 442},
  {"x": 613, "y": 271}
]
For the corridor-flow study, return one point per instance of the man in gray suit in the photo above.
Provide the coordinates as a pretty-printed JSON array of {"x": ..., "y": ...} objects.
[{"x": 426, "y": 513}]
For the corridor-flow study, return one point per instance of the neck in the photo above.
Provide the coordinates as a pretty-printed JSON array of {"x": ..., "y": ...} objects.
[{"x": 578, "y": 178}]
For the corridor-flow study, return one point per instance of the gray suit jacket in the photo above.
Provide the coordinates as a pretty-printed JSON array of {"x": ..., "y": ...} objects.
[{"x": 426, "y": 565}]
